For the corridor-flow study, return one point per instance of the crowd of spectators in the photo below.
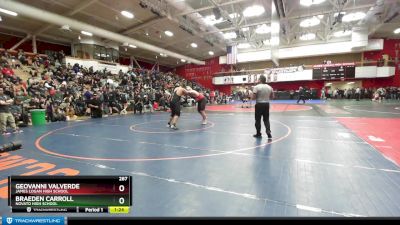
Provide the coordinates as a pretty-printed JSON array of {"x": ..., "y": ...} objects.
[
  {"x": 375, "y": 94},
  {"x": 66, "y": 92}
]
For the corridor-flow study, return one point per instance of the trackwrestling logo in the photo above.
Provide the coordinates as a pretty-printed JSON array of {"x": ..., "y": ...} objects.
[{"x": 33, "y": 220}]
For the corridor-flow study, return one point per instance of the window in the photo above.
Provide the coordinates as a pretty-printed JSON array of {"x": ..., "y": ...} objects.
[{"x": 88, "y": 51}]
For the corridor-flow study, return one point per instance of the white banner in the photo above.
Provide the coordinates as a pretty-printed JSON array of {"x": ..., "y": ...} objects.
[
  {"x": 293, "y": 74},
  {"x": 306, "y": 51},
  {"x": 284, "y": 70},
  {"x": 272, "y": 75}
]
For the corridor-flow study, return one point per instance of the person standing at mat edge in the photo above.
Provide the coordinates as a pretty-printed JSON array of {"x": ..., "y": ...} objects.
[
  {"x": 262, "y": 93},
  {"x": 176, "y": 105},
  {"x": 5, "y": 114},
  {"x": 95, "y": 105},
  {"x": 302, "y": 95}
]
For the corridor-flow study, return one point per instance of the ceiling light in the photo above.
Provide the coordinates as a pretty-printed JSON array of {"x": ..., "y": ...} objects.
[
  {"x": 307, "y": 37},
  {"x": 210, "y": 20},
  {"x": 234, "y": 15},
  {"x": 243, "y": 45},
  {"x": 311, "y": 2},
  {"x": 263, "y": 29},
  {"x": 168, "y": 33},
  {"x": 133, "y": 46},
  {"x": 127, "y": 14},
  {"x": 342, "y": 33},
  {"x": 194, "y": 45},
  {"x": 230, "y": 35},
  {"x": 8, "y": 12},
  {"x": 86, "y": 33},
  {"x": 397, "y": 31},
  {"x": 255, "y": 10},
  {"x": 182, "y": 60},
  {"x": 353, "y": 17},
  {"x": 351, "y": 83},
  {"x": 211, "y": 53},
  {"x": 310, "y": 22},
  {"x": 244, "y": 29},
  {"x": 163, "y": 54}
]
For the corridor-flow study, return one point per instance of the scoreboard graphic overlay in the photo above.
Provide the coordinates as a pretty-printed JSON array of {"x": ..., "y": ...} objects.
[{"x": 78, "y": 194}]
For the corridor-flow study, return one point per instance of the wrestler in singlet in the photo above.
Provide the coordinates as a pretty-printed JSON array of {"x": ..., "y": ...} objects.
[
  {"x": 201, "y": 103},
  {"x": 199, "y": 98},
  {"x": 176, "y": 105}
]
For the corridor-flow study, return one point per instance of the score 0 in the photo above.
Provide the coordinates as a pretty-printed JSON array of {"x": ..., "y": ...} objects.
[{"x": 121, "y": 188}]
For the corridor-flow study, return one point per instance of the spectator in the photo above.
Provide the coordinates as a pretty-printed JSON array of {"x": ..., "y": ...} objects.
[
  {"x": 382, "y": 93},
  {"x": 7, "y": 71},
  {"x": 212, "y": 97},
  {"x": 58, "y": 114},
  {"x": 138, "y": 105},
  {"x": 148, "y": 106},
  {"x": 357, "y": 93},
  {"x": 49, "y": 109},
  {"x": 5, "y": 114},
  {"x": 323, "y": 97},
  {"x": 155, "y": 106},
  {"x": 95, "y": 106},
  {"x": 301, "y": 95},
  {"x": 22, "y": 57},
  {"x": 70, "y": 113}
]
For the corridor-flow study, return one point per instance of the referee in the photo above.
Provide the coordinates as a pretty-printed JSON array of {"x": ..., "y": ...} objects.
[{"x": 262, "y": 93}]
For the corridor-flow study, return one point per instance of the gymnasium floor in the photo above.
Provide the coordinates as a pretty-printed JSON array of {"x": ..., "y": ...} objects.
[{"x": 339, "y": 158}]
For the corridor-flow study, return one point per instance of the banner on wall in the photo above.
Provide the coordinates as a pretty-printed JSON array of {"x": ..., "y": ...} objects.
[
  {"x": 112, "y": 67},
  {"x": 283, "y": 75},
  {"x": 272, "y": 75},
  {"x": 291, "y": 69}
]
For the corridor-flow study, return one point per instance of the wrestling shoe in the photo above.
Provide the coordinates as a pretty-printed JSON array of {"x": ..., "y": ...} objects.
[
  {"x": 174, "y": 127},
  {"x": 257, "y": 136}
]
